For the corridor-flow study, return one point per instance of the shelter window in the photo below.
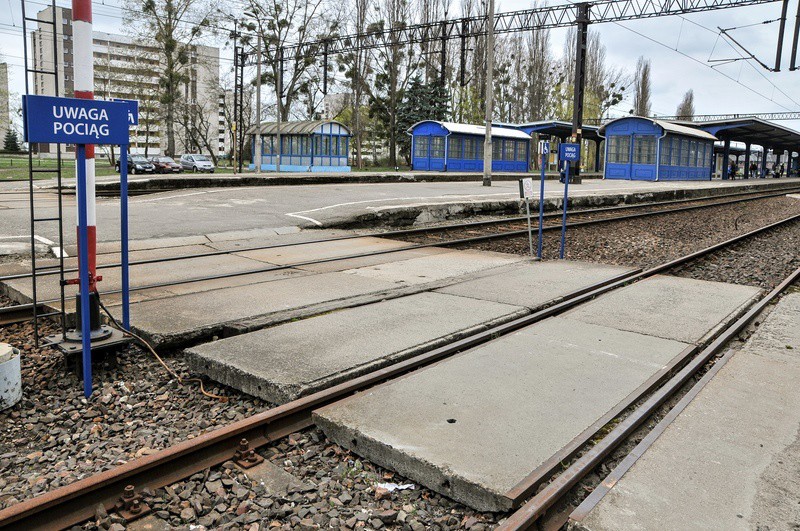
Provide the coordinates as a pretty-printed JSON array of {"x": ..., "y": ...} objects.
[
  {"x": 522, "y": 151},
  {"x": 644, "y": 149},
  {"x": 675, "y": 155},
  {"x": 421, "y": 146},
  {"x": 692, "y": 153},
  {"x": 508, "y": 149},
  {"x": 437, "y": 147},
  {"x": 709, "y": 153},
  {"x": 619, "y": 149},
  {"x": 456, "y": 144},
  {"x": 497, "y": 149},
  {"x": 701, "y": 154},
  {"x": 685, "y": 152},
  {"x": 285, "y": 144}
]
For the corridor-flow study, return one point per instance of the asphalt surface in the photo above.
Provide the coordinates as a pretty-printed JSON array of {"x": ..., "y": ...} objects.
[{"x": 214, "y": 210}]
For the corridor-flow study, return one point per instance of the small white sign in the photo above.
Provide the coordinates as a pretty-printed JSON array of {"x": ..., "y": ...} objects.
[
  {"x": 526, "y": 188},
  {"x": 544, "y": 147}
]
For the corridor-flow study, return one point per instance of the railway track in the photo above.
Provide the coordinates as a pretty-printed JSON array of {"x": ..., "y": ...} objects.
[
  {"x": 77, "y": 502},
  {"x": 578, "y": 219}
]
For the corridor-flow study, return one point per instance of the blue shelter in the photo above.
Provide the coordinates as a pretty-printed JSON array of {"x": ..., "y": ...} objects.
[
  {"x": 311, "y": 145},
  {"x": 643, "y": 149},
  {"x": 447, "y": 146}
]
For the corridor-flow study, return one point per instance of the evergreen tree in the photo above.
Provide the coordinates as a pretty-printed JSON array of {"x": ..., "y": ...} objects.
[
  {"x": 420, "y": 102},
  {"x": 11, "y": 142}
]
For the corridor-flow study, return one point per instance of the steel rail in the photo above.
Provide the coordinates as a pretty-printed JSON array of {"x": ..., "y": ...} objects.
[
  {"x": 530, "y": 512},
  {"x": 18, "y": 313},
  {"x": 447, "y": 243},
  {"x": 439, "y": 228},
  {"x": 76, "y": 502}
]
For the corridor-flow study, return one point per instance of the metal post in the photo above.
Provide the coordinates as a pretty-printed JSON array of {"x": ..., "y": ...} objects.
[
  {"x": 541, "y": 208},
  {"x": 487, "y": 145},
  {"x": 564, "y": 214},
  {"x": 235, "y": 97},
  {"x": 726, "y": 155},
  {"x": 325, "y": 68},
  {"x": 781, "y": 30},
  {"x": 746, "y": 172},
  {"x": 83, "y": 269},
  {"x": 443, "y": 53},
  {"x": 530, "y": 232},
  {"x": 279, "y": 96},
  {"x": 257, "y": 136},
  {"x": 582, "y": 21},
  {"x": 123, "y": 225},
  {"x": 793, "y": 62},
  {"x": 463, "y": 65},
  {"x": 241, "y": 108}
]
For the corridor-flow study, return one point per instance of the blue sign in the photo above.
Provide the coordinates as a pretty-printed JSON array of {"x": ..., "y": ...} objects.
[
  {"x": 133, "y": 110},
  {"x": 571, "y": 152},
  {"x": 74, "y": 121}
]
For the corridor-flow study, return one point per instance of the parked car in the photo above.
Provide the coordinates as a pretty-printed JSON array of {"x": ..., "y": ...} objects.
[
  {"x": 137, "y": 164},
  {"x": 166, "y": 165},
  {"x": 196, "y": 163}
]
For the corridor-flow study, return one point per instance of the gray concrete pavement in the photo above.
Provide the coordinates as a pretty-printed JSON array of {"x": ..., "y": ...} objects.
[
  {"x": 282, "y": 363},
  {"x": 210, "y": 211},
  {"x": 731, "y": 459},
  {"x": 288, "y": 360},
  {"x": 474, "y": 426}
]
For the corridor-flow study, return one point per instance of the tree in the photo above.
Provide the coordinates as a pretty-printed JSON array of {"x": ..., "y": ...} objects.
[
  {"x": 11, "y": 142},
  {"x": 642, "y": 85},
  {"x": 420, "y": 102},
  {"x": 165, "y": 28},
  {"x": 686, "y": 108}
]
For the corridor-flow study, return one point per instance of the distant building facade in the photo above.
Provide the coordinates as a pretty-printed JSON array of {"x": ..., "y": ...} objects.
[{"x": 126, "y": 69}]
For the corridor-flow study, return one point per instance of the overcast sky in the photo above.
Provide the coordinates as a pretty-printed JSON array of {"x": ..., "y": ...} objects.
[{"x": 748, "y": 88}]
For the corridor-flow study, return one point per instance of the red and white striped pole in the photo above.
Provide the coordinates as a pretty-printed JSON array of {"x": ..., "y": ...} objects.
[{"x": 84, "y": 89}]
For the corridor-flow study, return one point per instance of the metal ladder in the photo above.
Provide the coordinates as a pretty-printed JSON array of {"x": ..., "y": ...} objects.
[{"x": 32, "y": 172}]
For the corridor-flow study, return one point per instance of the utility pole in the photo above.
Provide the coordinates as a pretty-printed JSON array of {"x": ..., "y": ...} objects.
[
  {"x": 235, "y": 92},
  {"x": 487, "y": 145},
  {"x": 257, "y": 136},
  {"x": 242, "y": 61},
  {"x": 580, "y": 79},
  {"x": 279, "y": 95}
]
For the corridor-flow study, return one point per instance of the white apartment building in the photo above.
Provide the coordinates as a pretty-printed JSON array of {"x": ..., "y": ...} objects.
[{"x": 126, "y": 69}]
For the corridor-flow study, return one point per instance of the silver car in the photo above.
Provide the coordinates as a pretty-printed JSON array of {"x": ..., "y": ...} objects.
[{"x": 197, "y": 163}]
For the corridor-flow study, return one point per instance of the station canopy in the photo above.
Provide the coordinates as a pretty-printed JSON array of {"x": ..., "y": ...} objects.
[
  {"x": 557, "y": 128},
  {"x": 301, "y": 127},
  {"x": 752, "y": 130}
]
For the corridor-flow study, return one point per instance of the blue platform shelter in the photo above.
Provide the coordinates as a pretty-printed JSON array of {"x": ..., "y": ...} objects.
[
  {"x": 306, "y": 146},
  {"x": 448, "y": 146},
  {"x": 643, "y": 149}
]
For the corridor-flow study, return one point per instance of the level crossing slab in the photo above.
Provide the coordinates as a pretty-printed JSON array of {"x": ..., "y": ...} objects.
[
  {"x": 284, "y": 362},
  {"x": 476, "y": 425},
  {"x": 532, "y": 284},
  {"x": 288, "y": 360},
  {"x": 731, "y": 459}
]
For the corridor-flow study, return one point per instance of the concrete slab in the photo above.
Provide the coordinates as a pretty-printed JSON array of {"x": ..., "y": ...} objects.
[
  {"x": 731, "y": 459},
  {"x": 474, "y": 426},
  {"x": 532, "y": 284},
  {"x": 204, "y": 314},
  {"x": 683, "y": 309},
  {"x": 437, "y": 267},
  {"x": 318, "y": 251},
  {"x": 284, "y": 362},
  {"x": 367, "y": 261},
  {"x": 537, "y": 390}
]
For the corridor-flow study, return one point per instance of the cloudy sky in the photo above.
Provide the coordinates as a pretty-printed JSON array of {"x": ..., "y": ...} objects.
[{"x": 678, "y": 47}]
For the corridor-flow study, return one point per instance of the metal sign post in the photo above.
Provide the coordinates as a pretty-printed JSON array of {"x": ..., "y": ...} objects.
[
  {"x": 566, "y": 153},
  {"x": 526, "y": 192},
  {"x": 85, "y": 122},
  {"x": 544, "y": 151}
]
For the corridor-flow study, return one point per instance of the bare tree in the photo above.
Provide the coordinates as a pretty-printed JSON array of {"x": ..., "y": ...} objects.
[
  {"x": 172, "y": 28},
  {"x": 686, "y": 107},
  {"x": 643, "y": 88}
]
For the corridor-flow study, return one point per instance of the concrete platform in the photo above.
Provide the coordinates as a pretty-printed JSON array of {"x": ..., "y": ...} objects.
[
  {"x": 731, "y": 459},
  {"x": 474, "y": 426},
  {"x": 188, "y": 318},
  {"x": 284, "y": 362}
]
